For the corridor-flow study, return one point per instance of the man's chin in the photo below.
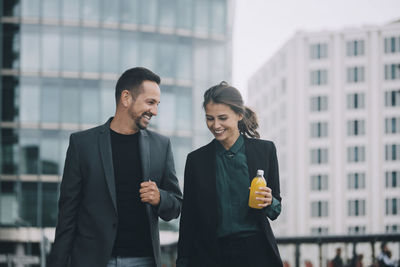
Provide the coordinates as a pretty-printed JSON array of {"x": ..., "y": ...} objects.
[{"x": 142, "y": 126}]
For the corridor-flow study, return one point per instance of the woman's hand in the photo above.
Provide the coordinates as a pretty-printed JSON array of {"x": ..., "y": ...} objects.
[{"x": 265, "y": 195}]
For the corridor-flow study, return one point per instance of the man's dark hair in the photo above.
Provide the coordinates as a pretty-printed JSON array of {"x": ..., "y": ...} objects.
[{"x": 131, "y": 80}]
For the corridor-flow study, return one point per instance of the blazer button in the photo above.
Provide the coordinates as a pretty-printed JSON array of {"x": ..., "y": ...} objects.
[{"x": 114, "y": 225}]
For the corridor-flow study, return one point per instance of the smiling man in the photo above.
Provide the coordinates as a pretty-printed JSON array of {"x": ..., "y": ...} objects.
[{"x": 118, "y": 179}]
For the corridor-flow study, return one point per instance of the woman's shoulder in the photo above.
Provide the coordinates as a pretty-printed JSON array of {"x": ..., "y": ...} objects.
[
  {"x": 204, "y": 150},
  {"x": 259, "y": 142}
]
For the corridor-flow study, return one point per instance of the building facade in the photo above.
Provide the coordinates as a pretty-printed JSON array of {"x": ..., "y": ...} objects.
[
  {"x": 331, "y": 102},
  {"x": 60, "y": 60}
]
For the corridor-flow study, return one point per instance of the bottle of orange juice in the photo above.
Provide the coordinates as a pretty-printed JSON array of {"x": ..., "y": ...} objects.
[{"x": 256, "y": 183}]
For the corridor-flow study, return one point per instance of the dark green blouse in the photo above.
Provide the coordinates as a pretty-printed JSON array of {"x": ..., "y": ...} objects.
[{"x": 232, "y": 182}]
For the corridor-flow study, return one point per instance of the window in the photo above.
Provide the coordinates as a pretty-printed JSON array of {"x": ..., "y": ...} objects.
[
  {"x": 8, "y": 203},
  {"x": 128, "y": 44},
  {"x": 168, "y": 15},
  {"x": 319, "y": 77},
  {"x": 356, "y": 207},
  {"x": 109, "y": 51},
  {"x": 29, "y": 141},
  {"x": 148, "y": 12},
  {"x": 356, "y": 154},
  {"x": 90, "y": 102},
  {"x": 319, "y": 156},
  {"x": 354, "y": 230},
  {"x": 129, "y": 11},
  {"x": 355, "y": 48},
  {"x": 90, "y": 10},
  {"x": 392, "y": 228},
  {"x": 319, "y": 182},
  {"x": 49, "y": 146},
  {"x": 50, "y": 9},
  {"x": 356, "y": 101},
  {"x": 319, "y": 209},
  {"x": 201, "y": 16},
  {"x": 392, "y": 206},
  {"x": 392, "y": 98},
  {"x": 30, "y": 100},
  {"x": 70, "y": 52},
  {"x": 356, "y": 180},
  {"x": 392, "y": 44},
  {"x": 70, "y": 101},
  {"x": 355, "y": 74},
  {"x": 392, "y": 125},
  {"x": 392, "y": 152},
  {"x": 318, "y": 129},
  {"x": 184, "y": 61},
  {"x": 50, "y": 101},
  {"x": 319, "y": 231},
  {"x": 185, "y": 11},
  {"x": 30, "y": 47},
  {"x": 9, "y": 92},
  {"x": 355, "y": 127},
  {"x": 49, "y": 204},
  {"x": 218, "y": 16},
  {"x": 318, "y": 51},
  {"x": 71, "y": 9},
  {"x": 111, "y": 11},
  {"x": 90, "y": 51},
  {"x": 392, "y": 179},
  {"x": 50, "y": 49},
  {"x": 9, "y": 151},
  {"x": 29, "y": 204},
  {"x": 392, "y": 71},
  {"x": 11, "y": 46}
]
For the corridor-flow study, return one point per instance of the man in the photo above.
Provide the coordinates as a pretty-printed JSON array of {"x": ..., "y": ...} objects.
[
  {"x": 384, "y": 258},
  {"x": 118, "y": 179},
  {"x": 337, "y": 260}
]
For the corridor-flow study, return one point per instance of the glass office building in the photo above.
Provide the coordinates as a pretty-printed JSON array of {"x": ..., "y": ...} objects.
[{"x": 60, "y": 60}]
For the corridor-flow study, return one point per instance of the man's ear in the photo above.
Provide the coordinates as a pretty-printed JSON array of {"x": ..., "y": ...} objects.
[{"x": 126, "y": 98}]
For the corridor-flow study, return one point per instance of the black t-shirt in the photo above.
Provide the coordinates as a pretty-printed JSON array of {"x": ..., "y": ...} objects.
[{"x": 133, "y": 234}]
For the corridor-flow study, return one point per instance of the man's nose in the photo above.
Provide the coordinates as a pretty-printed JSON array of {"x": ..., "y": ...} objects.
[{"x": 154, "y": 110}]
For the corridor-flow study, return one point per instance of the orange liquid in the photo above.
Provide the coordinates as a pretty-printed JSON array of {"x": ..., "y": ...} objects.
[{"x": 256, "y": 183}]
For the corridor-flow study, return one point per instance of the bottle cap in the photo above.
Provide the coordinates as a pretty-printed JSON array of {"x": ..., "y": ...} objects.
[{"x": 260, "y": 172}]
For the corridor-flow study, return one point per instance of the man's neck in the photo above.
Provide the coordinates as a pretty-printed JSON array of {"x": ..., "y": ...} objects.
[{"x": 123, "y": 125}]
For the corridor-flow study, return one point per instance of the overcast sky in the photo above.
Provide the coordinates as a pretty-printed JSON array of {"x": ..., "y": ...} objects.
[{"x": 261, "y": 27}]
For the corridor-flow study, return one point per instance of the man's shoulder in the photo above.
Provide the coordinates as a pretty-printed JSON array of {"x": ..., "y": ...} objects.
[
  {"x": 88, "y": 133},
  {"x": 154, "y": 135}
]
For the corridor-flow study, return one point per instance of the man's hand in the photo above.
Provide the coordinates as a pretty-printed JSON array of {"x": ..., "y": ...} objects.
[{"x": 149, "y": 193}]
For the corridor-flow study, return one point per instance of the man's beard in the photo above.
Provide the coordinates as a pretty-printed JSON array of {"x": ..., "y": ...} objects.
[{"x": 139, "y": 118}]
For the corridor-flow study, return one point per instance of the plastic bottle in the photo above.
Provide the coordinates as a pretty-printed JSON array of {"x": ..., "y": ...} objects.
[{"x": 256, "y": 183}]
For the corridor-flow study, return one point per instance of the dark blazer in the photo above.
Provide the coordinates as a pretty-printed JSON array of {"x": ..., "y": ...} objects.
[
  {"x": 197, "y": 244},
  {"x": 88, "y": 216}
]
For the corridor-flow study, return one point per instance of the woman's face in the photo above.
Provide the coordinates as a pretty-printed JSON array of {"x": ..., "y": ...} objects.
[{"x": 222, "y": 122}]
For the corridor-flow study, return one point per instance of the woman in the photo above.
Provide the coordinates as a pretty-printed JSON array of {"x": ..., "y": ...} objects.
[{"x": 217, "y": 226}]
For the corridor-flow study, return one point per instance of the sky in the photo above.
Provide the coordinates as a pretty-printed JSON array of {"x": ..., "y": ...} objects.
[{"x": 261, "y": 27}]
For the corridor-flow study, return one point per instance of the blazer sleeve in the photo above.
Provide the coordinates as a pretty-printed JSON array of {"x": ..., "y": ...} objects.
[
  {"x": 274, "y": 210},
  {"x": 186, "y": 226},
  {"x": 170, "y": 193},
  {"x": 68, "y": 205}
]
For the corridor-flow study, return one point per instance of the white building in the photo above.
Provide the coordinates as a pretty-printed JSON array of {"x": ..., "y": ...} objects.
[{"x": 331, "y": 102}]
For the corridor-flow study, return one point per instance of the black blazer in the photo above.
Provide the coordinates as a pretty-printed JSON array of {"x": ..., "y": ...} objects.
[
  {"x": 197, "y": 244},
  {"x": 88, "y": 216}
]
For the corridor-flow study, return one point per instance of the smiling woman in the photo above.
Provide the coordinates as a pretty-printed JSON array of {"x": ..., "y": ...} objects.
[{"x": 217, "y": 226}]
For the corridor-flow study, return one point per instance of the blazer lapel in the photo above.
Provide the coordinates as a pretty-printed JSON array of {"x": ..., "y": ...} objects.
[
  {"x": 144, "y": 148},
  {"x": 106, "y": 156},
  {"x": 251, "y": 159}
]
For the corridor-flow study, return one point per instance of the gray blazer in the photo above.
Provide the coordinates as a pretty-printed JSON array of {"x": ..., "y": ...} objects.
[{"x": 87, "y": 219}]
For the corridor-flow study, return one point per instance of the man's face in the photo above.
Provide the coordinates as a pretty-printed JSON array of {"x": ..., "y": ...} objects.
[{"x": 145, "y": 105}]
